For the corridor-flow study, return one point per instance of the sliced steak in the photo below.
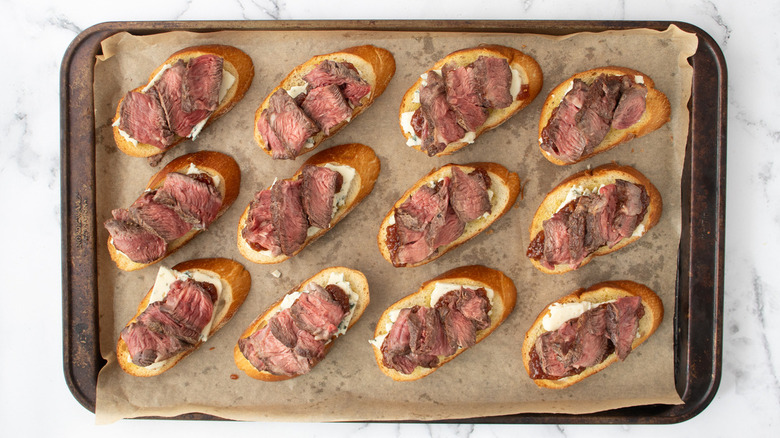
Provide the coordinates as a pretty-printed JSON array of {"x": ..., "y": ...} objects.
[
  {"x": 259, "y": 231},
  {"x": 194, "y": 197},
  {"x": 169, "y": 90},
  {"x": 426, "y": 333},
  {"x": 496, "y": 79},
  {"x": 291, "y": 126},
  {"x": 468, "y": 195},
  {"x": 147, "y": 346},
  {"x": 266, "y": 353},
  {"x": 464, "y": 95},
  {"x": 317, "y": 312},
  {"x": 623, "y": 322},
  {"x": 561, "y": 137},
  {"x": 422, "y": 207},
  {"x": 342, "y": 74},
  {"x": 190, "y": 303},
  {"x": 138, "y": 243},
  {"x": 273, "y": 144},
  {"x": 288, "y": 217},
  {"x": 142, "y": 117},
  {"x": 631, "y": 105},
  {"x": 396, "y": 352},
  {"x": 160, "y": 218},
  {"x": 320, "y": 184},
  {"x": 201, "y": 83},
  {"x": 327, "y": 107},
  {"x": 587, "y": 340},
  {"x": 439, "y": 115}
]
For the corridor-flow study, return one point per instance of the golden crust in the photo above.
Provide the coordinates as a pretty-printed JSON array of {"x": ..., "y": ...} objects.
[
  {"x": 504, "y": 298},
  {"x": 591, "y": 179},
  {"x": 504, "y": 184},
  {"x": 236, "y": 283},
  {"x": 357, "y": 282},
  {"x": 358, "y": 156},
  {"x": 213, "y": 163},
  {"x": 376, "y": 66},
  {"x": 598, "y": 293},
  {"x": 524, "y": 64},
  {"x": 657, "y": 111},
  {"x": 236, "y": 62}
]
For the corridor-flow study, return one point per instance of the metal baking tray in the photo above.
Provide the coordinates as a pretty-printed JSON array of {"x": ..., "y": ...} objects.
[{"x": 698, "y": 313}]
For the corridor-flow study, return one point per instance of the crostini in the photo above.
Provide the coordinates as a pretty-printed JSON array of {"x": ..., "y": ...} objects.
[
  {"x": 592, "y": 213},
  {"x": 595, "y": 110},
  {"x": 186, "y": 93},
  {"x": 295, "y": 333},
  {"x": 290, "y": 214},
  {"x": 465, "y": 94},
  {"x": 444, "y": 209},
  {"x": 319, "y": 97},
  {"x": 180, "y": 201},
  {"x": 185, "y": 307},
  {"x": 447, "y": 315},
  {"x": 588, "y": 330}
]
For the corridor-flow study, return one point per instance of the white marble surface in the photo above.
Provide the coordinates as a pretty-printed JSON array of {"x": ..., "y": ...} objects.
[{"x": 34, "y": 399}]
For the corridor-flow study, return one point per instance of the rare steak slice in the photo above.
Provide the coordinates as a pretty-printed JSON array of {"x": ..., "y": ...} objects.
[
  {"x": 259, "y": 231},
  {"x": 160, "y": 218},
  {"x": 327, "y": 107},
  {"x": 195, "y": 197},
  {"x": 320, "y": 184},
  {"x": 288, "y": 217},
  {"x": 342, "y": 74},
  {"x": 138, "y": 243},
  {"x": 142, "y": 117},
  {"x": 201, "y": 83}
]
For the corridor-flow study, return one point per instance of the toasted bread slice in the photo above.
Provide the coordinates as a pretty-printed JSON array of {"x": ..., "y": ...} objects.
[
  {"x": 474, "y": 276},
  {"x": 529, "y": 74},
  {"x": 374, "y": 64},
  {"x": 210, "y": 162},
  {"x": 236, "y": 62},
  {"x": 596, "y": 294},
  {"x": 657, "y": 111},
  {"x": 357, "y": 156},
  {"x": 357, "y": 282},
  {"x": 591, "y": 180},
  {"x": 504, "y": 184},
  {"x": 236, "y": 283}
]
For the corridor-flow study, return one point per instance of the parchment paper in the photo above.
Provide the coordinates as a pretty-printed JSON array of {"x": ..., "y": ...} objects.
[{"x": 489, "y": 379}]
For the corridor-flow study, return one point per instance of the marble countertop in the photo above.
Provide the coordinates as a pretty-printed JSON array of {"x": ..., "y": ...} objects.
[{"x": 34, "y": 399}]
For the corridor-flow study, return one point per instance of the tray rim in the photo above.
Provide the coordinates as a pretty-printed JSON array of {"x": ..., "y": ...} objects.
[{"x": 80, "y": 338}]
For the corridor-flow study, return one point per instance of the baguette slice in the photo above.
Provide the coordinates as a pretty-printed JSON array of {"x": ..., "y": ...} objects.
[
  {"x": 529, "y": 71},
  {"x": 236, "y": 283},
  {"x": 657, "y": 111},
  {"x": 236, "y": 62},
  {"x": 374, "y": 64},
  {"x": 476, "y": 276},
  {"x": 357, "y": 156},
  {"x": 592, "y": 179},
  {"x": 504, "y": 184},
  {"x": 357, "y": 282},
  {"x": 210, "y": 162},
  {"x": 598, "y": 293}
]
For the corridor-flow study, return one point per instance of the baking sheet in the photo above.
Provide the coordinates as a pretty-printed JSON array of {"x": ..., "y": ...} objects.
[{"x": 482, "y": 246}]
